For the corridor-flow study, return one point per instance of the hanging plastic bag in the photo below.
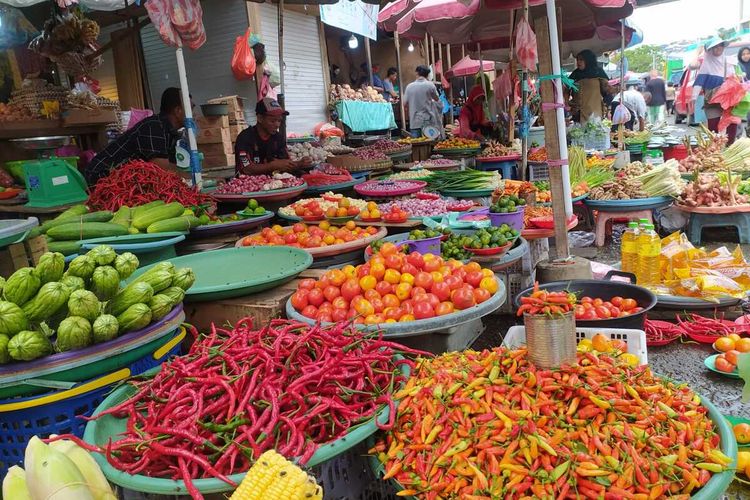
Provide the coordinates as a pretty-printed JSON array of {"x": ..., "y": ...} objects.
[
  {"x": 526, "y": 50},
  {"x": 158, "y": 12},
  {"x": 621, "y": 116},
  {"x": 243, "y": 60}
]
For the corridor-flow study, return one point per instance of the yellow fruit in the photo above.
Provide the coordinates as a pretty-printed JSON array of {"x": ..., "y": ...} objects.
[
  {"x": 325, "y": 225},
  {"x": 630, "y": 359},
  {"x": 374, "y": 214},
  {"x": 743, "y": 460},
  {"x": 601, "y": 343}
]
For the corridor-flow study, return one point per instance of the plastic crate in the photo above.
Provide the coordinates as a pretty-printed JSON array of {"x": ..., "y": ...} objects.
[
  {"x": 57, "y": 412},
  {"x": 350, "y": 477},
  {"x": 538, "y": 171},
  {"x": 538, "y": 251},
  {"x": 514, "y": 283},
  {"x": 635, "y": 339}
]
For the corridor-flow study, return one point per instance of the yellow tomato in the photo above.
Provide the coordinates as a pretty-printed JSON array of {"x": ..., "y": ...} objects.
[
  {"x": 630, "y": 359},
  {"x": 350, "y": 225},
  {"x": 489, "y": 284},
  {"x": 278, "y": 229},
  {"x": 328, "y": 239},
  {"x": 487, "y": 273},
  {"x": 364, "y": 307},
  {"x": 407, "y": 278},
  {"x": 392, "y": 276},
  {"x": 437, "y": 276},
  {"x": 390, "y": 320},
  {"x": 377, "y": 270},
  {"x": 405, "y": 318},
  {"x": 367, "y": 282},
  {"x": 325, "y": 225},
  {"x": 349, "y": 270},
  {"x": 743, "y": 460}
]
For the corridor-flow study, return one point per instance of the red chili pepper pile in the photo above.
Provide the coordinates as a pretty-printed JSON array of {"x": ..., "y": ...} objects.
[
  {"x": 138, "y": 182},
  {"x": 546, "y": 302},
  {"x": 288, "y": 386},
  {"x": 700, "y": 325},
  {"x": 661, "y": 331}
]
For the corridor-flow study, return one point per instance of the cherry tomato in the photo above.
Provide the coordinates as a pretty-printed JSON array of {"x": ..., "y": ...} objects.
[
  {"x": 616, "y": 301},
  {"x": 602, "y": 312},
  {"x": 423, "y": 310}
]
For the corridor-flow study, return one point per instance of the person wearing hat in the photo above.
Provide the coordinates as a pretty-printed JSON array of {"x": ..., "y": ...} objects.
[
  {"x": 261, "y": 149},
  {"x": 636, "y": 104},
  {"x": 714, "y": 69}
]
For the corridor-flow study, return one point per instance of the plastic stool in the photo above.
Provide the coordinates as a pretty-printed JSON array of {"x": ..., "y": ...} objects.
[
  {"x": 507, "y": 168},
  {"x": 603, "y": 217},
  {"x": 698, "y": 221}
]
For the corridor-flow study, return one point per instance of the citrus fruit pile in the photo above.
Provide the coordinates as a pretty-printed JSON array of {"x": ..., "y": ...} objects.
[
  {"x": 372, "y": 211},
  {"x": 730, "y": 346},
  {"x": 302, "y": 235},
  {"x": 393, "y": 287},
  {"x": 345, "y": 208}
]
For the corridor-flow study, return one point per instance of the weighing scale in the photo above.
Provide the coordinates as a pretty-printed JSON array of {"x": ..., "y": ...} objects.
[{"x": 50, "y": 181}]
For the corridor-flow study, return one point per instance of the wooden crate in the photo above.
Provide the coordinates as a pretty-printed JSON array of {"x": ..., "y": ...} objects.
[
  {"x": 219, "y": 148},
  {"x": 212, "y": 121},
  {"x": 213, "y": 135},
  {"x": 235, "y": 130},
  {"x": 24, "y": 254},
  {"x": 218, "y": 160},
  {"x": 262, "y": 307},
  {"x": 234, "y": 102}
]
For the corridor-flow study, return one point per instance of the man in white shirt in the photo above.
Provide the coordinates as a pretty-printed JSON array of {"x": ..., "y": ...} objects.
[
  {"x": 636, "y": 104},
  {"x": 420, "y": 98}
]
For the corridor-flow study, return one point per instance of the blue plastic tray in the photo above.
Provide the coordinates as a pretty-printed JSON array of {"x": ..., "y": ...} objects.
[
  {"x": 136, "y": 242},
  {"x": 629, "y": 205}
]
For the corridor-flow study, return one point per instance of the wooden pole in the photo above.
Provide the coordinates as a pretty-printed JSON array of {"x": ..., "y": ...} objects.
[
  {"x": 463, "y": 54},
  {"x": 400, "y": 86},
  {"x": 554, "y": 124},
  {"x": 427, "y": 49},
  {"x": 512, "y": 69},
  {"x": 432, "y": 57},
  {"x": 525, "y": 104},
  {"x": 369, "y": 60},
  {"x": 281, "y": 98},
  {"x": 450, "y": 85}
]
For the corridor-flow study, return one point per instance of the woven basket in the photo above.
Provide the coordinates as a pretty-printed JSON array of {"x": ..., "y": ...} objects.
[{"x": 354, "y": 164}]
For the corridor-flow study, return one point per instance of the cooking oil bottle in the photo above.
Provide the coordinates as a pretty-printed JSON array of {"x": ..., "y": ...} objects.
[
  {"x": 649, "y": 248},
  {"x": 629, "y": 248}
]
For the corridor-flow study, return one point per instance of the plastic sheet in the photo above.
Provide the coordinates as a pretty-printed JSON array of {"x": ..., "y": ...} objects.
[
  {"x": 526, "y": 48},
  {"x": 107, "y": 5}
]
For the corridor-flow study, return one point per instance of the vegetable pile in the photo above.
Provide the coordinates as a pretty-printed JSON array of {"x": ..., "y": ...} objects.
[
  {"x": 590, "y": 309},
  {"x": 239, "y": 392},
  {"x": 48, "y": 309},
  {"x": 303, "y": 236},
  {"x": 495, "y": 149},
  {"x": 490, "y": 237},
  {"x": 416, "y": 207},
  {"x": 394, "y": 287},
  {"x": 388, "y": 187},
  {"x": 302, "y": 150},
  {"x": 712, "y": 190},
  {"x": 707, "y": 155},
  {"x": 492, "y": 425},
  {"x": 544, "y": 302},
  {"x": 464, "y": 179},
  {"x": 457, "y": 143},
  {"x": 411, "y": 174},
  {"x": 387, "y": 146},
  {"x": 661, "y": 332},
  {"x": 507, "y": 205},
  {"x": 538, "y": 155},
  {"x": 138, "y": 182},
  {"x": 253, "y": 183},
  {"x": 370, "y": 154},
  {"x": 626, "y": 186}
]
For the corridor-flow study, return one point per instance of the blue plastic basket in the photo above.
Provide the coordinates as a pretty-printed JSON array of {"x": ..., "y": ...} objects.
[{"x": 57, "y": 412}]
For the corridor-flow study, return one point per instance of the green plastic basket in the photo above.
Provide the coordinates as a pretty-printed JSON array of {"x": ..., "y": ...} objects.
[
  {"x": 99, "y": 432},
  {"x": 711, "y": 491}
]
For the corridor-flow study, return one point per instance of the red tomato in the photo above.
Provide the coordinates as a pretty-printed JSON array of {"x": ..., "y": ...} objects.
[
  {"x": 628, "y": 304},
  {"x": 290, "y": 238},
  {"x": 463, "y": 298},
  {"x": 383, "y": 288},
  {"x": 417, "y": 290},
  {"x": 587, "y": 305},
  {"x": 423, "y": 280},
  {"x": 409, "y": 268},
  {"x": 372, "y": 294},
  {"x": 607, "y": 304},
  {"x": 339, "y": 315},
  {"x": 390, "y": 300},
  {"x": 394, "y": 261},
  {"x": 616, "y": 301},
  {"x": 378, "y": 305},
  {"x": 315, "y": 297},
  {"x": 453, "y": 282},
  {"x": 306, "y": 284},
  {"x": 459, "y": 273},
  {"x": 441, "y": 290},
  {"x": 363, "y": 270},
  {"x": 579, "y": 311},
  {"x": 615, "y": 311},
  {"x": 586, "y": 300},
  {"x": 299, "y": 300},
  {"x": 351, "y": 313},
  {"x": 340, "y": 303},
  {"x": 407, "y": 306},
  {"x": 415, "y": 259},
  {"x": 480, "y": 295},
  {"x": 326, "y": 306},
  {"x": 432, "y": 265},
  {"x": 331, "y": 292},
  {"x": 310, "y": 312},
  {"x": 350, "y": 289},
  {"x": 432, "y": 299},
  {"x": 423, "y": 310},
  {"x": 589, "y": 315},
  {"x": 444, "y": 308},
  {"x": 602, "y": 312},
  {"x": 636, "y": 310},
  {"x": 324, "y": 317},
  {"x": 597, "y": 302},
  {"x": 474, "y": 278},
  {"x": 393, "y": 313}
]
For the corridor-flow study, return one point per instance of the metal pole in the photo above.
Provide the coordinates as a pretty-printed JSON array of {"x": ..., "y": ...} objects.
[
  {"x": 525, "y": 104},
  {"x": 427, "y": 49},
  {"x": 432, "y": 57},
  {"x": 512, "y": 69},
  {"x": 280, "y": 97},
  {"x": 369, "y": 60},
  {"x": 195, "y": 165},
  {"x": 400, "y": 86},
  {"x": 450, "y": 84}
]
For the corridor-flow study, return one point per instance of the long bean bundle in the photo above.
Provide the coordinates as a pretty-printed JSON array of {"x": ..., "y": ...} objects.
[{"x": 464, "y": 179}]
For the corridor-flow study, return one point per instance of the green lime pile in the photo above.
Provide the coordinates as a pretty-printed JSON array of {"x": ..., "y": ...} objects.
[
  {"x": 422, "y": 234},
  {"x": 491, "y": 237},
  {"x": 253, "y": 208},
  {"x": 507, "y": 205}
]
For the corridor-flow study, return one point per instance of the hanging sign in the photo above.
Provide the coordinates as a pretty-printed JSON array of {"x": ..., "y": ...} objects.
[{"x": 353, "y": 16}]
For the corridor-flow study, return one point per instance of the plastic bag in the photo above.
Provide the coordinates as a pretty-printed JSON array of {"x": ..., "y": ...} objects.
[
  {"x": 581, "y": 239},
  {"x": 621, "y": 116},
  {"x": 325, "y": 130},
  {"x": 136, "y": 115},
  {"x": 158, "y": 12},
  {"x": 526, "y": 50},
  {"x": 243, "y": 60},
  {"x": 729, "y": 94}
]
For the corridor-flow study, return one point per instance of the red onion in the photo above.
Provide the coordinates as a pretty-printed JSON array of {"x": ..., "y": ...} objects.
[{"x": 252, "y": 183}]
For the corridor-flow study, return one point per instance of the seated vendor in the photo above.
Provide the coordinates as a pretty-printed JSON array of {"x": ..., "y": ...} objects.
[
  {"x": 152, "y": 139},
  {"x": 261, "y": 149},
  {"x": 472, "y": 120}
]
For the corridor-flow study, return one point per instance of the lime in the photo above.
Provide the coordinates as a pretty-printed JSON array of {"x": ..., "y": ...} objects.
[
  {"x": 502, "y": 241},
  {"x": 252, "y": 204},
  {"x": 259, "y": 211}
]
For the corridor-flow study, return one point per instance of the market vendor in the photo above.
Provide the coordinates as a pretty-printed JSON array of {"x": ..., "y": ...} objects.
[
  {"x": 473, "y": 122},
  {"x": 261, "y": 149},
  {"x": 152, "y": 139}
]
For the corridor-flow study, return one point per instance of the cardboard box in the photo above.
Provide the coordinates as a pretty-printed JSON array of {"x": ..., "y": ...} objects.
[
  {"x": 24, "y": 254},
  {"x": 237, "y": 118},
  {"x": 74, "y": 117},
  {"x": 235, "y": 103},
  {"x": 212, "y": 121},
  {"x": 213, "y": 135},
  {"x": 235, "y": 130},
  {"x": 218, "y": 160},
  {"x": 219, "y": 148}
]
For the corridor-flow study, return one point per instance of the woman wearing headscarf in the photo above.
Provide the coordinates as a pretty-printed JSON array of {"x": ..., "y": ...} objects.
[
  {"x": 472, "y": 119},
  {"x": 743, "y": 58},
  {"x": 712, "y": 73},
  {"x": 593, "y": 88}
]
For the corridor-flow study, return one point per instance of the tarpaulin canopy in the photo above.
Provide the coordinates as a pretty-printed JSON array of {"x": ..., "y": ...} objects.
[
  {"x": 392, "y": 12},
  {"x": 468, "y": 67},
  {"x": 106, "y": 5}
]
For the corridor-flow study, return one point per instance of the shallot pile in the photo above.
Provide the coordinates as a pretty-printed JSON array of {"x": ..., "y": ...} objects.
[
  {"x": 370, "y": 154},
  {"x": 707, "y": 155},
  {"x": 386, "y": 146},
  {"x": 307, "y": 150},
  {"x": 252, "y": 183},
  {"x": 420, "y": 208},
  {"x": 709, "y": 191},
  {"x": 326, "y": 174}
]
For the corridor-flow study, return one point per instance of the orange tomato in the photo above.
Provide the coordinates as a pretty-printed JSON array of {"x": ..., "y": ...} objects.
[
  {"x": 731, "y": 356},
  {"x": 368, "y": 282},
  {"x": 388, "y": 248},
  {"x": 391, "y": 276},
  {"x": 373, "y": 319},
  {"x": 444, "y": 308},
  {"x": 742, "y": 345},
  {"x": 391, "y": 300},
  {"x": 487, "y": 273},
  {"x": 364, "y": 307},
  {"x": 349, "y": 270},
  {"x": 734, "y": 336},
  {"x": 481, "y": 295},
  {"x": 437, "y": 277},
  {"x": 489, "y": 284},
  {"x": 372, "y": 294},
  {"x": 336, "y": 277},
  {"x": 723, "y": 365},
  {"x": 350, "y": 225},
  {"x": 394, "y": 261},
  {"x": 472, "y": 266},
  {"x": 742, "y": 433},
  {"x": 406, "y": 317},
  {"x": 724, "y": 344}
]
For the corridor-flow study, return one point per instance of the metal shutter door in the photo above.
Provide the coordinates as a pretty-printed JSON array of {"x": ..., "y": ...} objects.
[
  {"x": 304, "y": 86},
  {"x": 208, "y": 69},
  {"x": 105, "y": 74}
]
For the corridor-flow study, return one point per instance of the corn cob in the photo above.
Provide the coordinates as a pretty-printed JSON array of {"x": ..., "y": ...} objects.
[{"x": 274, "y": 477}]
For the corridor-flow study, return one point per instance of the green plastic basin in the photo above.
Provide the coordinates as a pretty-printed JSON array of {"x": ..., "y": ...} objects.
[
  {"x": 234, "y": 272},
  {"x": 99, "y": 432}
]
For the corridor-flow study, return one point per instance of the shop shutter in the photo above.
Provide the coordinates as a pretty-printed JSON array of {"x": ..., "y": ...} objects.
[
  {"x": 105, "y": 74},
  {"x": 304, "y": 86},
  {"x": 208, "y": 69}
]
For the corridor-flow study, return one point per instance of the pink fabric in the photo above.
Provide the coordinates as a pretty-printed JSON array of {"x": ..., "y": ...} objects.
[
  {"x": 526, "y": 45},
  {"x": 392, "y": 12},
  {"x": 468, "y": 67}
]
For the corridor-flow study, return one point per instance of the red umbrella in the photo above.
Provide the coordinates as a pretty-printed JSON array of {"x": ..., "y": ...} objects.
[
  {"x": 468, "y": 67},
  {"x": 393, "y": 11}
]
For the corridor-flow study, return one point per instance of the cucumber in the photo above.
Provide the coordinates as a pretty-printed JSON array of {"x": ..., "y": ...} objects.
[
  {"x": 122, "y": 216},
  {"x": 142, "y": 208},
  {"x": 64, "y": 247},
  {"x": 156, "y": 214},
  {"x": 181, "y": 223},
  {"x": 102, "y": 216},
  {"x": 74, "y": 211},
  {"x": 87, "y": 230}
]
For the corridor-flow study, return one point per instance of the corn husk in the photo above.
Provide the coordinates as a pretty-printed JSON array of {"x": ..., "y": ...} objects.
[
  {"x": 50, "y": 475},
  {"x": 87, "y": 466},
  {"x": 14, "y": 484}
]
